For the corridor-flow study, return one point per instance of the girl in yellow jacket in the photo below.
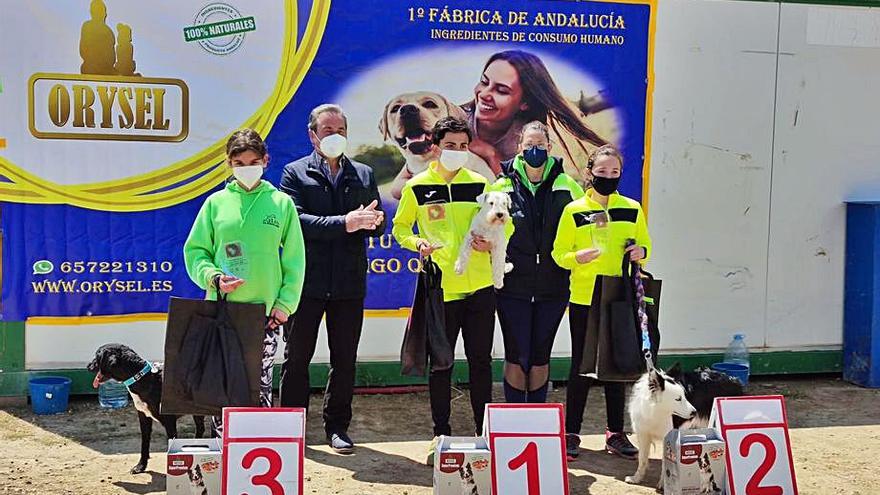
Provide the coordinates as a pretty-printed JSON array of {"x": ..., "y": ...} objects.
[{"x": 591, "y": 241}]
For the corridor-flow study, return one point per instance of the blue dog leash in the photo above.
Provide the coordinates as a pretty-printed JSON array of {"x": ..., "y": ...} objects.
[{"x": 147, "y": 369}]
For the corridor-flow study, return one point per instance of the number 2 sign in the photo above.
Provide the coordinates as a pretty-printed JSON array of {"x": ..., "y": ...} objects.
[
  {"x": 759, "y": 458},
  {"x": 528, "y": 449},
  {"x": 263, "y": 451}
]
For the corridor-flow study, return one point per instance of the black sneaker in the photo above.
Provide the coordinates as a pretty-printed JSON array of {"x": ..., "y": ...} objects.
[
  {"x": 340, "y": 443},
  {"x": 572, "y": 446},
  {"x": 619, "y": 444}
]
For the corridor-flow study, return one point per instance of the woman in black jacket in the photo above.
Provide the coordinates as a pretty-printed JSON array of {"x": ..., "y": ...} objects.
[{"x": 535, "y": 293}]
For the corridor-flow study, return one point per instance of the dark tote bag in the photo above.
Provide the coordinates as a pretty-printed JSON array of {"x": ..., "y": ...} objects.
[
  {"x": 612, "y": 347},
  {"x": 213, "y": 356},
  {"x": 426, "y": 327}
]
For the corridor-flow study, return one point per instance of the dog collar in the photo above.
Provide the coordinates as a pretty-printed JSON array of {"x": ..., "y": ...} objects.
[{"x": 148, "y": 368}]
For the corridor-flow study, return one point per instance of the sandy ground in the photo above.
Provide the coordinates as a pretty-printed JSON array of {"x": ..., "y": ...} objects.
[{"x": 835, "y": 435}]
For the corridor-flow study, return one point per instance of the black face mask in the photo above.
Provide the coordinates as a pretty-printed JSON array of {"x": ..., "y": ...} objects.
[{"x": 605, "y": 185}]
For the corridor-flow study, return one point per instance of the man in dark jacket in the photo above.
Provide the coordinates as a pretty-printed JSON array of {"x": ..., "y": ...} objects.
[{"x": 339, "y": 206}]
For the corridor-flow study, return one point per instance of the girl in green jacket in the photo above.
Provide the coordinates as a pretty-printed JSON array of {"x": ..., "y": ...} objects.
[{"x": 246, "y": 241}]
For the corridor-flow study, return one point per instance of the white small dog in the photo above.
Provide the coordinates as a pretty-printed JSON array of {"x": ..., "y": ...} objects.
[
  {"x": 655, "y": 399},
  {"x": 489, "y": 224}
]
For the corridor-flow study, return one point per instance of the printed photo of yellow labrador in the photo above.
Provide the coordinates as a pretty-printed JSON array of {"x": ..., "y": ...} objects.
[{"x": 407, "y": 121}]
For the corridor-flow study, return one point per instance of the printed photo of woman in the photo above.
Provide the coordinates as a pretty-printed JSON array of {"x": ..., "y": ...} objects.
[{"x": 516, "y": 88}]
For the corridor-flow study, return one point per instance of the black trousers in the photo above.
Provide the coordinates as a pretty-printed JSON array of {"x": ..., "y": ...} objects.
[
  {"x": 474, "y": 317},
  {"x": 579, "y": 386},
  {"x": 344, "y": 321}
]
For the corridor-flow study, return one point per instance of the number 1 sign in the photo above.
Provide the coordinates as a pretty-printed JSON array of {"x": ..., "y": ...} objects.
[
  {"x": 528, "y": 448},
  {"x": 263, "y": 450},
  {"x": 759, "y": 458}
]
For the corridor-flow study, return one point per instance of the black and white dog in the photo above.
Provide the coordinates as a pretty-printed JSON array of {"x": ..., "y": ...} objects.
[
  {"x": 701, "y": 387},
  {"x": 144, "y": 382},
  {"x": 707, "y": 479},
  {"x": 197, "y": 481}
]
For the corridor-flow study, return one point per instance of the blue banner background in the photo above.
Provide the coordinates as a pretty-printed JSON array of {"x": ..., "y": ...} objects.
[{"x": 357, "y": 36}]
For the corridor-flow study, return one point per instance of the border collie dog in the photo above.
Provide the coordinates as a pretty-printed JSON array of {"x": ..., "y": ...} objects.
[
  {"x": 656, "y": 397},
  {"x": 144, "y": 382}
]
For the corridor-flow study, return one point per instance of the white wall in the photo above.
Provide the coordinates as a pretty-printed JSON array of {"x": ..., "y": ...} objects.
[
  {"x": 753, "y": 153},
  {"x": 72, "y": 346}
]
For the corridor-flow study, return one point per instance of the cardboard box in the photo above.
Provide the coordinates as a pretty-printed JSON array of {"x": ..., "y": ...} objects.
[
  {"x": 694, "y": 462},
  {"x": 462, "y": 465},
  {"x": 194, "y": 466}
]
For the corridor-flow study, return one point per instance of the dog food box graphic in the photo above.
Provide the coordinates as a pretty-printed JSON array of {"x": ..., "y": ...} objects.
[
  {"x": 194, "y": 466},
  {"x": 694, "y": 462},
  {"x": 462, "y": 466}
]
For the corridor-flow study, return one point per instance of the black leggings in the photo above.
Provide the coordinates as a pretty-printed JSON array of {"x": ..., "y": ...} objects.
[
  {"x": 474, "y": 318},
  {"x": 579, "y": 386}
]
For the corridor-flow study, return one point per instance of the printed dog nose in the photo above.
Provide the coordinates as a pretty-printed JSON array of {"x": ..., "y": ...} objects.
[{"x": 409, "y": 110}]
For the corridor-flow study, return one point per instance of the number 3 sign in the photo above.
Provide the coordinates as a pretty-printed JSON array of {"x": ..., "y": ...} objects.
[
  {"x": 759, "y": 458},
  {"x": 528, "y": 448},
  {"x": 263, "y": 450}
]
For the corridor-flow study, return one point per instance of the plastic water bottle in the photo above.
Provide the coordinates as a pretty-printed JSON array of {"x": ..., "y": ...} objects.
[
  {"x": 737, "y": 352},
  {"x": 112, "y": 395}
]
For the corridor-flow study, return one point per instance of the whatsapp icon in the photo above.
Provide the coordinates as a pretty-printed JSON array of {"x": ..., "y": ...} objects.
[{"x": 43, "y": 267}]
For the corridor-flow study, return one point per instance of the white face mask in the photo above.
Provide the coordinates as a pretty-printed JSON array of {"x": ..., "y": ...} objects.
[
  {"x": 333, "y": 146},
  {"x": 453, "y": 160},
  {"x": 248, "y": 175}
]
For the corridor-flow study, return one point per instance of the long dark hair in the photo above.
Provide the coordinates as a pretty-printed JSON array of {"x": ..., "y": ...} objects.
[{"x": 544, "y": 100}]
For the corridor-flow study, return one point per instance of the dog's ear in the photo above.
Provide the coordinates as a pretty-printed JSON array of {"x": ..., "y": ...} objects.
[
  {"x": 383, "y": 122},
  {"x": 675, "y": 370},
  {"x": 481, "y": 199},
  {"x": 508, "y": 201},
  {"x": 453, "y": 110},
  {"x": 655, "y": 381}
]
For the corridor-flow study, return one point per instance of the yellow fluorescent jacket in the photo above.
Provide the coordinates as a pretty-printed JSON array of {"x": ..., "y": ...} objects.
[
  {"x": 443, "y": 212},
  {"x": 577, "y": 231}
]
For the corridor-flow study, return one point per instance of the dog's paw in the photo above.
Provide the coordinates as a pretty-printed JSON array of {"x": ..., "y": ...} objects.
[
  {"x": 508, "y": 267},
  {"x": 633, "y": 480},
  {"x": 499, "y": 285},
  {"x": 138, "y": 469},
  {"x": 459, "y": 267}
]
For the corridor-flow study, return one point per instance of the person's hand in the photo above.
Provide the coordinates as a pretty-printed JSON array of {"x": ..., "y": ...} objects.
[
  {"x": 425, "y": 248},
  {"x": 229, "y": 283},
  {"x": 480, "y": 244},
  {"x": 363, "y": 218},
  {"x": 636, "y": 253},
  {"x": 586, "y": 255},
  {"x": 488, "y": 153},
  {"x": 277, "y": 318}
]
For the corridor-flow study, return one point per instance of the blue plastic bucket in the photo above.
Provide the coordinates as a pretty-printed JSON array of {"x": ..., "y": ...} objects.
[
  {"x": 49, "y": 394},
  {"x": 738, "y": 371}
]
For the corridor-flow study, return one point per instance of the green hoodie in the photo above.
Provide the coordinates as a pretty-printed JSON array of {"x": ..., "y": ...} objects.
[{"x": 239, "y": 232}]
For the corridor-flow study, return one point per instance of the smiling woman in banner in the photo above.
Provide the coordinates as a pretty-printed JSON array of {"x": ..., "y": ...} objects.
[
  {"x": 516, "y": 88},
  {"x": 234, "y": 246}
]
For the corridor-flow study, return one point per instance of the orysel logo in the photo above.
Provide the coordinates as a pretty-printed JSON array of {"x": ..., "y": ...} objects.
[
  {"x": 271, "y": 220},
  {"x": 110, "y": 98},
  {"x": 219, "y": 28}
]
